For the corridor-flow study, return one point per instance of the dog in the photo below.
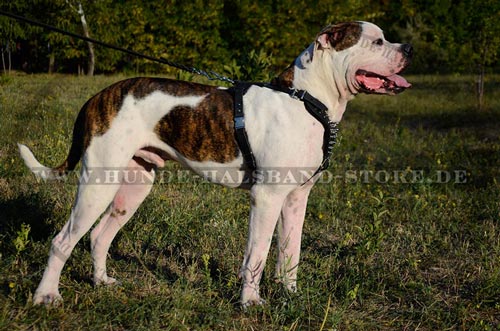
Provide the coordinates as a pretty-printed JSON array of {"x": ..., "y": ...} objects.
[{"x": 138, "y": 124}]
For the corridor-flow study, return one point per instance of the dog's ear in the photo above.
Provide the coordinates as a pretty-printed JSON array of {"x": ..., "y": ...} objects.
[
  {"x": 324, "y": 40},
  {"x": 339, "y": 36}
]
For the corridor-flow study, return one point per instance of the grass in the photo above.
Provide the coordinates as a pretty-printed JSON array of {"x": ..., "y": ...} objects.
[{"x": 378, "y": 253}]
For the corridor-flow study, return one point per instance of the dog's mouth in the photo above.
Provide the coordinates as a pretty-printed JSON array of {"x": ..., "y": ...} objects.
[{"x": 373, "y": 83}]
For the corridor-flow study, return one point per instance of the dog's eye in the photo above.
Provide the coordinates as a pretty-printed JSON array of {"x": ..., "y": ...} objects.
[{"x": 378, "y": 42}]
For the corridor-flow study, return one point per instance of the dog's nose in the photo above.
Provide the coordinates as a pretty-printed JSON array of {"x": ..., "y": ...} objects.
[{"x": 407, "y": 50}]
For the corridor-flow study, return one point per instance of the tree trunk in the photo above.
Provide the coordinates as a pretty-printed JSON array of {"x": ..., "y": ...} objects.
[
  {"x": 91, "y": 60},
  {"x": 3, "y": 63},
  {"x": 480, "y": 88},
  {"x": 9, "y": 54},
  {"x": 52, "y": 63}
]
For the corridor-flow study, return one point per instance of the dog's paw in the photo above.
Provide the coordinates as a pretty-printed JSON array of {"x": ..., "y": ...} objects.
[
  {"x": 53, "y": 299},
  {"x": 106, "y": 281},
  {"x": 291, "y": 287},
  {"x": 250, "y": 297},
  {"x": 247, "y": 304}
]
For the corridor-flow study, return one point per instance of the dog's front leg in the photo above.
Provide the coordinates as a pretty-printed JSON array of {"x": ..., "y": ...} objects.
[
  {"x": 290, "y": 233},
  {"x": 265, "y": 209}
]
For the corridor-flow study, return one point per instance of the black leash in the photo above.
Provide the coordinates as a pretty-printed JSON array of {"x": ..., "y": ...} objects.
[{"x": 208, "y": 74}]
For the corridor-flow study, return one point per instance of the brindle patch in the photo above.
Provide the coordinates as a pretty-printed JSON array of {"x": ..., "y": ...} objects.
[
  {"x": 117, "y": 212},
  {"x": 96, "y": 115},
  {"x": 101, "y": 109},
  {"x": 343, "y": 35},
  {"x": 285, "y": 79},
  {"x": 204, "y": 133}
]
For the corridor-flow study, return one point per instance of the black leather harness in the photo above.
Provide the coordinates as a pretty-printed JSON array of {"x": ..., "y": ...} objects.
[{"x": 315, "y": 107}]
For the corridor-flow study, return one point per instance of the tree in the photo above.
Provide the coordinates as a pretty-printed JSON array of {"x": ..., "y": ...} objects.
[
  {"x": 448, "y": 36},
  {"x": 91, "y": 60},
  {"x": 11, "y": 30},
  {"x": 460, "y": 36},
  {"x": 483, "y": 41}
]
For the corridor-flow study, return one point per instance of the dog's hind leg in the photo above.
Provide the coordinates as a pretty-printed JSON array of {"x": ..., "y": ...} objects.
[
  {"x": 289, "y": 236},
  {"x": 95, "y": 193},
  {"x": 91, "y": 202},
  {"x": 136, "y": 185}
]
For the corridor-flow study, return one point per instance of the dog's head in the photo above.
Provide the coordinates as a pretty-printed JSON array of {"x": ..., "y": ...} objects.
[{"x": 359, "y": 58}]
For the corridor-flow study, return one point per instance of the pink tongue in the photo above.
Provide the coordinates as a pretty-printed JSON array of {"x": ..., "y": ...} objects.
[
  {"x": 372, "y": 82},
  {"x": 399, "y": 81}
]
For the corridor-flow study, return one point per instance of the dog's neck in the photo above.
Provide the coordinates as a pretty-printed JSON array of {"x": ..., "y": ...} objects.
[{"x": 317, "y": 75}]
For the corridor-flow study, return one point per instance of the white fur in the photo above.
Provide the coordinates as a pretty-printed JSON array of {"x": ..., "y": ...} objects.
[{"x": 281, "y": 133}]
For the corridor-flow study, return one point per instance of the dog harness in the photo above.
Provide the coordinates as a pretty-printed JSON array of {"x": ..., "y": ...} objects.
[{"x": 315, "y": 108}]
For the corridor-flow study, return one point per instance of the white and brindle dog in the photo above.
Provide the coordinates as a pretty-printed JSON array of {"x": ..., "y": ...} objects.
[{"x": 140, "y": 123}]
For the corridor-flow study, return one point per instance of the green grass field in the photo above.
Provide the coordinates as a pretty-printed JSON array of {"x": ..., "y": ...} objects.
[{"x": 415, "y": 249}]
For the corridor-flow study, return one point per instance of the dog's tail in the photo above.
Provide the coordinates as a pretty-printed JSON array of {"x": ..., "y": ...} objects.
[
  {"x": 74, "y": 156},
  {"x": 39, "y": 169}
]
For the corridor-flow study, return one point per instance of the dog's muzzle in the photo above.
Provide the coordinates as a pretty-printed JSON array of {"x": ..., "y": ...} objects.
[{"x": 374, "y": 83}]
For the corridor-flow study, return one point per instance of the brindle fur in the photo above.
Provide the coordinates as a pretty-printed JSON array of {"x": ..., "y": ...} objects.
[
  {"x": 285, "y": 79},
  {"x": 202, "y": 134},
  {"x": 343, "y": 35},
  {"x": 205, "y": 133}
]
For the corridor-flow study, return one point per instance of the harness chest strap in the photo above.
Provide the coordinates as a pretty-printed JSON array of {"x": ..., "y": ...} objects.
[
  {"x": 239, "y": 126},
  {"x": 315, "y": 107}
]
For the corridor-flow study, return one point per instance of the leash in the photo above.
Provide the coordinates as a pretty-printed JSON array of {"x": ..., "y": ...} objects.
[
  {"x": 315, "y": 107},
  {"x": 211, "y": 75}
]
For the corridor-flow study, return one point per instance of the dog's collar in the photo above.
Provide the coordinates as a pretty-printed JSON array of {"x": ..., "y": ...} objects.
[{"x": 315, "y": 107}]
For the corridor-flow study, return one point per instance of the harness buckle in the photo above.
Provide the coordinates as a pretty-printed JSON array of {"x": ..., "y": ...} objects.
[
  {"x": 239, "y": 122},
  {"x": 298, "y": 94}
]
